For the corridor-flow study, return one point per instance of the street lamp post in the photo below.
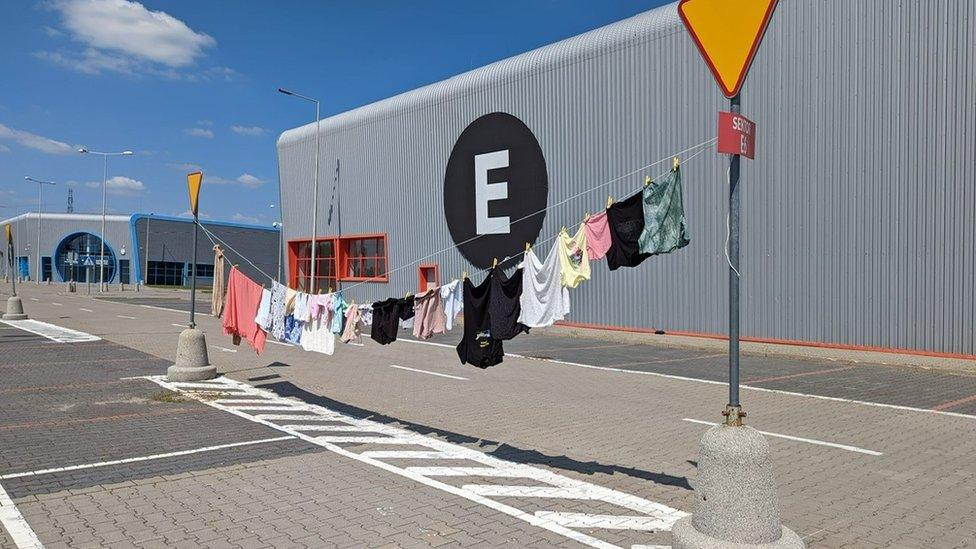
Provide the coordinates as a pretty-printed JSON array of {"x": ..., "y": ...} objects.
[
  {"x": 101, "y": 259},
  {"x": 278, "y": 225},
  {"x": 40, "y": 185},
  {"x": 315, "y": 191}
]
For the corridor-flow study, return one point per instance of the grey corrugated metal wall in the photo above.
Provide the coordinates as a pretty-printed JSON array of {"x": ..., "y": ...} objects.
[
  {"x": 858, "y": 212},
  {"x": 172, "y": 240},
  {"x": 56, "y": 226}
]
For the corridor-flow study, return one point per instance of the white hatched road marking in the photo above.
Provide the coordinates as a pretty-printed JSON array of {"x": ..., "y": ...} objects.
[
  {"x": 13, "y": 522},
  {"x": 338, "y": 428},
  {"x": 610, "y": 522},
  {"x": 428, "y": 373},
  {"x": 558, "y": 486},
  {"x": 225, "y": 349},
  {"x": 126, "y": 317},
  {"x": 52, "y": 332},
  {"x": 142, "y": 458},
  {"x": 801, "y": 439}
]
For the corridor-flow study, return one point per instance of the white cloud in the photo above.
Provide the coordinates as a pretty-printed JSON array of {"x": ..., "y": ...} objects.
[
  {"x": 249, "y": 180},
  {"x": 253, "y": 131},
  {"x": 199, "y": 132},
  {"x": 129, "y": 28},
  {"x": 120, "y": 185},
  {"x": 34, "y": 141},
  {"x": 126, "y": 37},
  {"x": 241, "y": 218},
  {"x": 51, "y": 31},
  {"x": 186, "y": 167},
  {"x": 188, "y": 213}
]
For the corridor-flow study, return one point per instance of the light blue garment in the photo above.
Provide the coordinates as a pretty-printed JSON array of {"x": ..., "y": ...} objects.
[
  {"x": 339, "y": 307},
  {"x": 263, "y": 318}
]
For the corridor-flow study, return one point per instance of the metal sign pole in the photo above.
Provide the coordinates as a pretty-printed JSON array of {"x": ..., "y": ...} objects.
[
  {"x": 733, "y": 412},
  {"x": 13, "y": 279},
  {"x": 193, "y": 279}
]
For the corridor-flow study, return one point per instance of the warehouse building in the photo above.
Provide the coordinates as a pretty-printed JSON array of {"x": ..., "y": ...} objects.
[
  {"x": 858, "y": 212},
  {"x": 148, "y": 248}
]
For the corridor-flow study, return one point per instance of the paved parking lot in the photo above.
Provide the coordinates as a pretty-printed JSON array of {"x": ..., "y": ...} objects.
[{"x": 587, "y": 443}]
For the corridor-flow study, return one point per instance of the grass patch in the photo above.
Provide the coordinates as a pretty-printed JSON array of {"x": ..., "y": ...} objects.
[{"x": 171, "y": 397}]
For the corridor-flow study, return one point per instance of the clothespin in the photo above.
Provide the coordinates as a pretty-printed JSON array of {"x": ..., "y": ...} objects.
[
  {"x": 494, "y": 263},
  {"x": 648, "y": 180},
  {"x": 675, "y": 163},
  {"x": 586, "y": 217},
  {"x": 464, "y": 275},
  {"x": 528, "y": 246},
  {"x": 406, "y": 295},
  {"x": 609, "y": 201},
  {"x": 563, "y": 230},
  {"x": 330, "y": 290}
]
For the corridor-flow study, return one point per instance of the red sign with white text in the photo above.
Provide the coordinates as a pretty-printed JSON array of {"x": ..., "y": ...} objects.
[{"x": 736, "y": 135}]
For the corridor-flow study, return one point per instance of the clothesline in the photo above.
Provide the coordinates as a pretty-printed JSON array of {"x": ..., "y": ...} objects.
[
  {"x": 212, "y": 236},
  {"x": 701, "y": 146}
]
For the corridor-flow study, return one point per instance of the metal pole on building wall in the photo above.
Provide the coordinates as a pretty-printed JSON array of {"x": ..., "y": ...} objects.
[
  {"x": 40, "y": 185},
  {"x": 335, "y": 252},
  {"x": 145, "y": 275},
  {"x": 101, "y": 254},
  {"x": 733, "y": 411},
  {"x": 315, "y": 200}
]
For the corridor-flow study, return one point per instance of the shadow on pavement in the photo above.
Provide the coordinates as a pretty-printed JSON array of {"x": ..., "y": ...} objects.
[{"x": 502, "y": 450}]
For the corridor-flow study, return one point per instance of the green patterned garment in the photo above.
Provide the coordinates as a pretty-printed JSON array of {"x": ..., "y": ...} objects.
[{"x": 665, "y": 228}]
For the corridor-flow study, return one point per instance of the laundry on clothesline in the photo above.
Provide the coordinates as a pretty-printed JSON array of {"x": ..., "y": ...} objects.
[{"x": 534, "y": 295}]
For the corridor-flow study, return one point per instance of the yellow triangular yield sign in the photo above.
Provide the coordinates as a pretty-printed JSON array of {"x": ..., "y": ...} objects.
[
  {"x": 193, "y": 182},
  {"x": 727, "y": 33},
  {"x": 10, "y": 233}
]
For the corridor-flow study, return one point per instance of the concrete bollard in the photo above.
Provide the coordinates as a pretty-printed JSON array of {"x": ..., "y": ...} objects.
[
  {"x": 192, "y": 360},
  {"x": 735, "y": 496},
  {"x": 15, "y": 309}
]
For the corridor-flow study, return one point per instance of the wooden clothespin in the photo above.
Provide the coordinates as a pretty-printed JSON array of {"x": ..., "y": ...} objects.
[
  {"x": 464, "y": 275},
  {"x": 494, "y": 263},
  {"x": 609, "y": 201},
  {"x": 528, "y": 246},
  {"x": 647, "y": 180},
  {"x": 675, "y": 163},
  {"x": 330, "y": 290},
  {"x": 586, "y": 217},
  {"x": 406, "y": 295}
]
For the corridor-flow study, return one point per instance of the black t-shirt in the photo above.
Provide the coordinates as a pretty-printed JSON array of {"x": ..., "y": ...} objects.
[
  {"x": 405, "y": 308},
  {"x": 626, "y": 222},
  {"x": 477, "y": 346},
  {"x": 504, "y": 304},
  {"x": 386, "y": 320}
]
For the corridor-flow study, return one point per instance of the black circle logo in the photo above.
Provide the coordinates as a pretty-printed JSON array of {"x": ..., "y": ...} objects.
[{"x": 495, "y": 189}]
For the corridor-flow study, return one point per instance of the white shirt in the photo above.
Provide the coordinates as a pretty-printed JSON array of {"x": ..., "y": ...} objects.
[
  {"x": 317, "y": 336},
  {"x": 452, "y": 295},
  {"x": 544, "y": 299}
]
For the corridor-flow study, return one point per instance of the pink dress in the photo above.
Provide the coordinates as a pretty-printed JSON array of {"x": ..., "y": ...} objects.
[{"x": 597, "y": 235}]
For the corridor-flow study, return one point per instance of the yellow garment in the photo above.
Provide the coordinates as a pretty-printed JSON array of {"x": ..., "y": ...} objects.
[
  {"x": 217, "y": 297},
  {"x": 574, "y": 260},
  {"x": 290, "y": 301}
]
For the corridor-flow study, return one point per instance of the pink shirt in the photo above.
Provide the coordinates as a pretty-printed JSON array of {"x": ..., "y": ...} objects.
[
  {"x": 243, "y": 299},
  {"x": 597, "y": 235},
  {"x": 429, "y": 317}
]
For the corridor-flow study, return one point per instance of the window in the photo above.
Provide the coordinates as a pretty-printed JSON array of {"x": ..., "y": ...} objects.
[
  {"x": 165, "y": 273},
  {"x": 352, "y": 258},
  {"x": 203, "y": 270},
  {"x": 124, "y": 271},
  {"x": 364, "y": 258},
  {"x": 45, "y": 268}
]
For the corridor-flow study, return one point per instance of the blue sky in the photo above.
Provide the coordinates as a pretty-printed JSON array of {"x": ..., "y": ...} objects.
[{"x": 190, "y": 84}]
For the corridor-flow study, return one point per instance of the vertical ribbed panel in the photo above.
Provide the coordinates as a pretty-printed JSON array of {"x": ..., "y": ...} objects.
[{"x": 857, "y": 214}]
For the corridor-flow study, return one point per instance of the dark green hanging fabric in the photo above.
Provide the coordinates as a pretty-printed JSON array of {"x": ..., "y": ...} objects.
[{"x": 665, "y": 228}]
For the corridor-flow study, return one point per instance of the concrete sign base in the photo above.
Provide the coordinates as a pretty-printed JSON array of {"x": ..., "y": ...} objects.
[
  {"x": 15, "y": 309},
  {"x": 192, "y": 361}
]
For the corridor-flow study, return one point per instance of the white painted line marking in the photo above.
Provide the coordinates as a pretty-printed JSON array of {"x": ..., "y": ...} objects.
[
  {"x": 364, "y": 440},
  {"x": 530, "y": 491},
  {"x": 410, "y": 454},
  {"x": 51, "y": 331},
  {"x": 16, "y": 526},
  {"x": 295, "y": 417},
  {"x": 338, "y": 428},
  {"x": 34, "y": 299},
  {"x": 426, "y": 372},
  {"x": 157, "y": 308},
  {"x": 610, "y": 522},
  {"x": 280, "y": 343},
  {"x": 86, "y": 310},
  {"x": 439, "y": 449},
  {"x": 639, "y": 546},
  {"x": 57, "y": 304},
  {"x": 179, "y": 325},
  {"x": 801, "y": 439},
  {"x": 143, "y": 458},
  {"x": 126, "y": 317},
  {"x": 235, "y": 402},
  {"x": 267, "y": 408},
  {"x": 713, "y": 382},
  {"x": 511, "y": 472},
  {"x": 225, "y": 349}
]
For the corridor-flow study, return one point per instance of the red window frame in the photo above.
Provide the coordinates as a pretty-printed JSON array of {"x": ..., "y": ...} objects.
[
  {"x": 421, "y": 278},
  {"x": 335, "y": 266}
]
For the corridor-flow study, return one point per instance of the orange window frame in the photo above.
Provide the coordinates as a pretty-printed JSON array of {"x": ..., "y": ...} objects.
[
  {"x": 342, "y": 258},
  {"x": 420, "y": 275}
]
